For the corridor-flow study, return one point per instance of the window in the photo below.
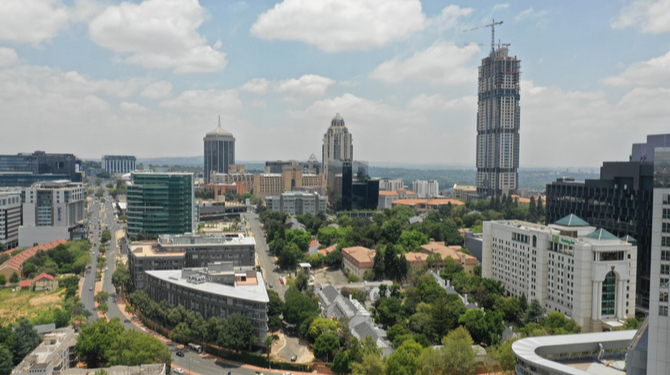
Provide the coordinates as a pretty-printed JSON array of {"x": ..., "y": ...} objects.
[
  {"x": 664, "y": 282},
  {"x": 665, "y": 269},
  {"x": 665, "y": 255},
  {"x": 666, "y": 213},
  {"x": 663, "y": 310},
  {"x": 663, "y": 297},
  {"x": 666, "y": 228},
  {"x": 665, "y": 241}
]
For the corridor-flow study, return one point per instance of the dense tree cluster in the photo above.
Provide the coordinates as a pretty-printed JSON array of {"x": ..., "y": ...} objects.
[
  {"x": 16, "y": 341},
  {"x": 70, "y": 257},
  {"x": 236, "y": 332}
]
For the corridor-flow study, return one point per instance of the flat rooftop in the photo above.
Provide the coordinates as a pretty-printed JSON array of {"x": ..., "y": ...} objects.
[
  {"x": 146, "y": 250},
  {"x": 168, "y": 240},
  {"x": 253, "y": 293}
]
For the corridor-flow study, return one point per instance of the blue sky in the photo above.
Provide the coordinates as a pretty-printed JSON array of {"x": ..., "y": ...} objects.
[{"x": 149, "y": 78}]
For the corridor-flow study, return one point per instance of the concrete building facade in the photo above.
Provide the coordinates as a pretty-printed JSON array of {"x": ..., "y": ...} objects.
[
  {"x": 12, "y": 167},
  {"x": 426, "y": 188},
  {"x": 297, "y": 203},
  {"x": 118, "y": 164},
  {"x": 54, "y": 354},
  {"x": 292, "y": 177},
  {"x": 337, "y": 143},
  {"x": 52, "y": 211},
  {"x": 219, "y": 151},
  {"x": 387, "y": 184},
  {"x": 219, "y": 289},
  {"x": 356, "y": 260},
  {"x": 177, "y": 252},
  {"x": 10, "y": 218},
  {"x": 587, "y": 274},
  {"x": 498, "y": 121}
]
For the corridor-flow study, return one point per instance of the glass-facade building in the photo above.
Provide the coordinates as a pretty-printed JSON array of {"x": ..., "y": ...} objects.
[
  {"x": 25, "y": 169},
  {"x": 161, "y": 203},
  {"x": 219, "y": 151}
]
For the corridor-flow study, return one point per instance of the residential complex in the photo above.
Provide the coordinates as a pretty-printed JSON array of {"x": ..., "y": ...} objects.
[
  {"x": 10, "y": 218},
  {"x": 54, "y": 354},
  {"x": 291, "y": 178},
  {"x": 571, "y": 267},
  {"x": 467, "y": 261},
  {"x": 426, "y": 189},
  {"x": 114, "y": 164},
  {"x": 386, "y": 198},
  {"x": 358, "y": 259},
  {"x": 465, "y": 193},
  {"x": 498, "y": 121},
  {"x": 52, "y": 211},
  {"x": 388, "y": 184},
  {"x": 23, "y": 170},
  {"x": 176, "y": 252},
  {"x": 219, "y": 289},
  {"x": 219, "y": 151},
  {"x": 15, "y": 263},
  {"x": 425, "y": 205},
  {"x": 297, "y": 203},
  {"x": 337, "y": 143},
  {"x": 161, "y": 203},
  {"x": 247, "y": 179},
  {"x": 620, "y": 202}
]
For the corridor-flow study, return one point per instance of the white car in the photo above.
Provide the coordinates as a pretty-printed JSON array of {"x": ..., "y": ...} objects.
[{"x": 177, "y": 371}]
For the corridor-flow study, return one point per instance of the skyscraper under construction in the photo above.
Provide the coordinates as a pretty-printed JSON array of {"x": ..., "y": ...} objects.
[{"x": 498, "y": 120}]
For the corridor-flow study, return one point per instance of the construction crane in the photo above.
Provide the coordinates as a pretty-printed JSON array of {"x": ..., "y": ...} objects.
[{"x": 492, "y": 25}]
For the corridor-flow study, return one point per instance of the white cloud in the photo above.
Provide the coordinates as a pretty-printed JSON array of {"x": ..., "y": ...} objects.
[
  {"x": 158, "y": 34},
  {"x": 451, "y": 14},
  {"x": 500, "y": 6},
  {"x": 655, "y": 72},
  {"x": 257, "y": 86},
  {"x": 441, "y": 64},
  {"x": 8, "y": 57},
  {"x": 339, "y": 25},
  {"x": 158, "y": 90},
  {"x": 31, "y": 21},
  {"x": 531, "y": 14},
  {"x": 307, "y": 85},
  {"x": 132, "y": 108},
  {"x": 649, "y": 17},
  {"x": 258, "y": 103},
  {"x": 210, "y": 101},
  {"x": 437, "y": 102},
  {"x": 73, "y": 83}
]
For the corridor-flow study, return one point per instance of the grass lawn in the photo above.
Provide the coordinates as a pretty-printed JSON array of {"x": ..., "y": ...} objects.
[{"x": 14, "y": 305}]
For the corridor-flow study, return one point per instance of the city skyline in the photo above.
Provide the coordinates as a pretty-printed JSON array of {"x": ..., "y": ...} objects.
[{"x": 277, "y": 77}]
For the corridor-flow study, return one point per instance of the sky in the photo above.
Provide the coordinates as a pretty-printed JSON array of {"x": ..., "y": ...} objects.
[{"x": 151, "y": 78}]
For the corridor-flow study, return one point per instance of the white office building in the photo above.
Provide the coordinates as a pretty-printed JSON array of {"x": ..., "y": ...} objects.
[
  {"x": 587, "y": 274},
  {"x": 297, "y": 203},
  {"x": 118, "y": 164},
  {"x": 426, "y": 189},
  {"x": 387, "y": 184},
  {"x": 10, "y": 218},
  {"x": 52, "y": 211}
]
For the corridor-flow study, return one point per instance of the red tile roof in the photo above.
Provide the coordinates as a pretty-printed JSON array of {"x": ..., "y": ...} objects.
[
  {"x": 17, "y": 261},
  {"x": 43, "y": 275},
  {"x": 25, "y": 283}
]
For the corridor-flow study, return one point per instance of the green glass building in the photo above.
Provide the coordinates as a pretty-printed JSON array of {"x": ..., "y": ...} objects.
[{"x": 161, "y": 203}]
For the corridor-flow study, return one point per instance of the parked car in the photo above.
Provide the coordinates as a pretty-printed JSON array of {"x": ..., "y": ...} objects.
[
  {"x": 270, "y": 285},
  {"x": 177, "y": 371},
  {"x": 294, "y": 358},
  {"x": 179, "y": 354},
  {"x": 90, "y": 288}
]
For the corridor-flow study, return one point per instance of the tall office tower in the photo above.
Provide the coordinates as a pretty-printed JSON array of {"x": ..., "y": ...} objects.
[
  {"x": 118, "y": 164},
  {"x": 52, "y": 211},
  {"x": 219, "y": 151},
  {"x": 658, "y": 348},
  {"x": 498, "y": 120},
  {"x": 10, "y": 218},
  {"x": 23, "y": 170},
  {"x": 337, "y": 143},
  {"x": 161, "y": 203}
]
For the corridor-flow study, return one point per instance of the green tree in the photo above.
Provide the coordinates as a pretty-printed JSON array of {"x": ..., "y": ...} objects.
[
  {"x": 181, "y": 332},
  {"x": 269, "y": 341},
  {"x": 371, "y": 364},
  {"x": 341, "y": 363},
  {"x": 276, "y": 305},
  {"x": 391, "y": 231},
  {"x": 505, "y": 357},
  {"x": 3, "y": 280},
  {"x": 101, "y": 297},
  {"x": 534, "y": 313},
  {"x": 96, "y": 338},
  {"x": 237, "y": 333},
  {"x": 558, "y": 324},
  {"x": 320, "y": 326},
  {"x": 379, "y": 265},
  {"x": 397, "y": 330},
  {"x": 6, "y": 361},
  {"x": 298, "y": 306},
  {"x": 326, "y": 345},
  {"x": 484, "y": 327},
  {"x": 134, "y": 348},
  {"x": 14, "y": 278},
  {"x": 121, "y": 279},
  {"x": 290, "y": 256},
  {"x": 26, "y": 338},
  {"x": 405, "y": 359},
  {"x": 103, "y": 307},
  {"x": 459, "y": 358},
  {"x": 334, "y": 258},
  {"x": 412, "y": 240},
  {"x": 388, "y": 311}
]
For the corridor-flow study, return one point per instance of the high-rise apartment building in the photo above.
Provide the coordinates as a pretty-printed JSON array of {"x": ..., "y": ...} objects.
[
  {"x": 426, "y": 189},
  {"x": 219, "y": 151},
  {"x": 10, "y": 218},
  {"x": 337, "y": 143},
  {"x": 161, "y": 203},
  {"x": 498, "y": 120},
  {"x": 118, "y": 164},
  {"x": 297, "y": 203},
  {"x": 52, "y": 211}
]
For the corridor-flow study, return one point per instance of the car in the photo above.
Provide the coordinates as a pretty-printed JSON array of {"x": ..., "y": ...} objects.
[
  {"x": 106, "y": 268},
  {"x": 90, "y": 288},
  {"x": 287, "y": 373},
  {"x": 258, "y": 373},
  {"x": 294, "y": 358},
  {"x": 270, "y": 285},
  {"x": 177, "y": 371},
  {"x": 179, "y": 354}
]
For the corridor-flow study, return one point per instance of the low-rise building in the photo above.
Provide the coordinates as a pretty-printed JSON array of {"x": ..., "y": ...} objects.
[
  {"x": 587, "y": 274},
  {"x": 388, "y": 184},
  {"x": 174, "y": 252},
  {"x": 386, "y": 198},
  {"x": 54, "y": 354},
  {"x": 10, "y": 218},
  {"x": 220, "y": 210},
  {"x": 220, "y": 289},
  {"x": 467, "y": 261},
  {"x": 44, "y": 282},
  {"x": 247, "y": 179},
  {"x": 358, "y": 259},
  {"x": 296, "y": 203},
  {"x": 15, "y": 263},
  {"x": 425, "y": 205},
  {"x": 150, "y": 369},
  {"x": 466, "y": 193}
]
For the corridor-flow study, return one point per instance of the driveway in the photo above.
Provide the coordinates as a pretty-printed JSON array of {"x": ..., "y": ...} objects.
[
  {"x": 287, "y": 347},
  {"x": 330, "y": 275}
]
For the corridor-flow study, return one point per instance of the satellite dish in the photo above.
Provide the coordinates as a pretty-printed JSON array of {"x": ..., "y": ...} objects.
[{"x": 454, "y": 186}]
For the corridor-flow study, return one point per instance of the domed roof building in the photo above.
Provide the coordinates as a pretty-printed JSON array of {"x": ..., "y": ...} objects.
[
  {"x": 219, "y": 151},
  {"x": 337, "y": 143}
]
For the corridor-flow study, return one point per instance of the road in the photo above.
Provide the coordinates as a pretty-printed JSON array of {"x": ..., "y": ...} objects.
[
  {"x": 266, "y": 258},
  {"x": 191, "y": 360}
]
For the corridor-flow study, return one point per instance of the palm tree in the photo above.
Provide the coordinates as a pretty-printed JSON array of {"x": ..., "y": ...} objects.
[{"x": 269, "y": 341}]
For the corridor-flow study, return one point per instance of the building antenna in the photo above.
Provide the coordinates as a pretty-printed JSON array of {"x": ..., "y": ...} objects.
[
  {"x": 219, "y": 120},
  {"x": 492, "y": 25}
]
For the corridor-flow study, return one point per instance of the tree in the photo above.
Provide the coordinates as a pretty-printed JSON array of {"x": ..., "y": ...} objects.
[
  {"x": 269, "y": 341},
  {"x": 383, "y": 291},
  {"x": 458, "y": 356},
  {"x": 412, "y": 240},
  {"x": 326, "y": 345},
  {"x": 100, "y": 372},
  {"x": 388, "y": 311},
  {"x": 4, "y": 256},
  {"x": 134, "y": 348},
  {"x": 181, "y": 332},
  {"x": 14, "y": 278},
  {"x": 391, "y": 231},
  {"x": 298, "y": 306},
  {"x": 534, "y": 313},
  {"x": 341, "y": 363},
  {"x": 484, "y": 327},
  {"x": 405, "y": 359},
  {"x": 397, "y": 330},
  {"x": 103, "y": 307},
  {"x": 3, "y": 280},
  {"x": 96, "y": 338},
  {"x": 101, "y": 297},
  {"x": 6, "y": 361},
  {"x": 290, "y": 256},
  {"x": 505, "y": 357},
  {"x": 371, "y": 364},
  {"x": 379, "y": 264},
  {"x": 121, "y": 279},
  {"x": 558, "y": 324},
  {"x": 26, "y": 338},
  {"x": 319, "y": 326},
  {"x": 237, "y": 333},
  {"x": 276, "y": 305}
]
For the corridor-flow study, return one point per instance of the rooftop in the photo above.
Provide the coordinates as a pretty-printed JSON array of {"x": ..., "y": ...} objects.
[
  {"x": 602, "y": 235},
  {"x": 255, "y": 293},
  {"x": 572, "y": 221},
  {"x": 168, "y": 240},
  {"x": 146, "y": 250},
  {"x": 360, "y": 254}
]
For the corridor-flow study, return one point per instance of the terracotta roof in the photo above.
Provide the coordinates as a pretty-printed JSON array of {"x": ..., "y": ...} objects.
[
  {"x": 521, "y": 200},
  {"x": 17, "y": 261},
  {"x": 384, "y": 192},
  {"x": 414, "y": 202},
  {"x": 449, "y": 251},
  {"x": 361, "y": 256},
  {"x": 314, "y": 243},
  {"x": 43, "y": 275},
  {"x": 25, "y": 283}
]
